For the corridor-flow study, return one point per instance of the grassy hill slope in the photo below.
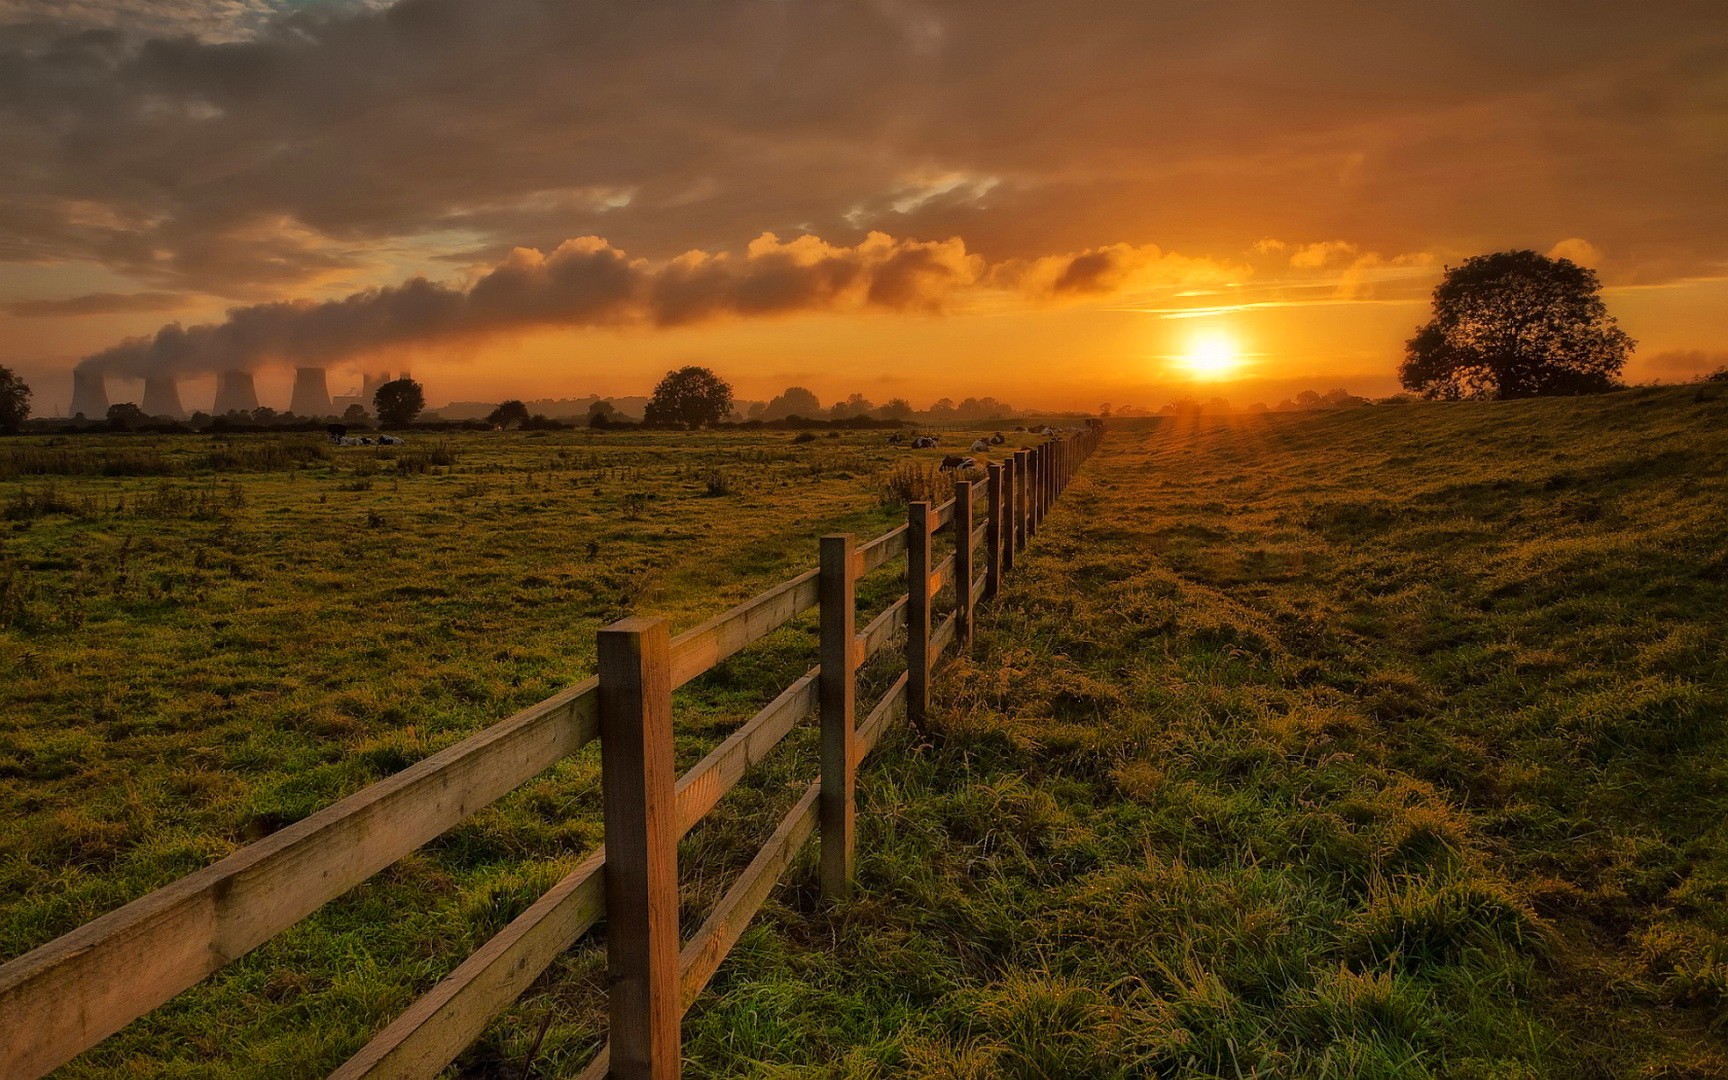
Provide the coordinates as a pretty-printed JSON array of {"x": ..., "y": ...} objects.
[{"x": 1378, "y": 743}]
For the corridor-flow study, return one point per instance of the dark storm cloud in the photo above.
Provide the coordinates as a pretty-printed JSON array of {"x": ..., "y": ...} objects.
[
  {"x": 256, "y": 166},
  {"x": 107, "y": 303}
]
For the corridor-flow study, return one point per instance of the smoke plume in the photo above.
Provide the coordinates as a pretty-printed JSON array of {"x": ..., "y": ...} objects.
[{"x": 584, "y": 282}]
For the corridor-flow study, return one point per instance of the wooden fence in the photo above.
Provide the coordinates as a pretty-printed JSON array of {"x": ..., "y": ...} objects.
[{"x": 68, "y": 995}]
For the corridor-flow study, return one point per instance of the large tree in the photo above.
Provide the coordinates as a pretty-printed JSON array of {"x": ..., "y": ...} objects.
[
  {"x": 398, "y": 401},
  {"x": 14, "y": 401},
  {"x": 793, "y": 401},
  {"x": 508, "y": 413},
  {"x": 1516, "y": 324},
  {"x": 689, "y": 397}
]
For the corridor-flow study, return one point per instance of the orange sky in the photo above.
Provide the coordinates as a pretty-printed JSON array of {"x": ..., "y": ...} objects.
[{"x": 1022, "y": 201}]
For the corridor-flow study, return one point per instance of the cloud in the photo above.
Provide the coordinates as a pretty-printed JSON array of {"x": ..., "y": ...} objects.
[
  {"x": 102, "y": 303},
  {"x": 1115, "y": 268},
  {"x": 1580, "y": 251},
  {"x": 584, "y": 282},
  {"x": 267, "y": 152},
  {"x": 1682, "y": 363},
  {"x": 208, "y": 20}
]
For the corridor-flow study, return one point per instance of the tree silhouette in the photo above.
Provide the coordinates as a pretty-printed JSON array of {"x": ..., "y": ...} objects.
[
  {"x": 1516, "y": 324},
  {"x": 398, "y": 401},
  {"x": 507, "y": 413},
  {"x": 689, "y": 397},
  {"x": 14, "y": 401},
  {"x": 124, "y": 416},
  {"x": 793, "y": 401}
]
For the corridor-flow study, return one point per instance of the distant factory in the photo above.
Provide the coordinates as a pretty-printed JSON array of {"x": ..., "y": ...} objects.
[{"x": 235, "y": 392}]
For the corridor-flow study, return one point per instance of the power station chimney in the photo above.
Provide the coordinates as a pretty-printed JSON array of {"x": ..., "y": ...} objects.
[
  {"x": 235, "y": 393},
  {"x": 311, "y": 393},
  {"x": 162, "y": 397},
  {"x": 89, "y": 394}
]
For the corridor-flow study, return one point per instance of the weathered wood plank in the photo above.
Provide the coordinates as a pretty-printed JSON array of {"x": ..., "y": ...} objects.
[
  {"x": 964, "y": 542},
  {"x": 883, "y": 627},
  {"x": 701, "y": 647},
  {"x": 941, "y": 575},
  {"x": 892, "y": 705},
  {"x": 713, "y": 942},
  {"x": 942, "y": 637},
  {"x": 418, "y": 1044},
  {"x": 78, "y": 989},
  {"x": 884, "y": 548},
  {"x": 919, "y": 593},
  {"x": 993, "y": 529},
  {"x": 726, "y": 923},
  {"x": 708, "y": 781},
  {"x": 431, "y": 1033},
  {"x": 942, "y": 515}
]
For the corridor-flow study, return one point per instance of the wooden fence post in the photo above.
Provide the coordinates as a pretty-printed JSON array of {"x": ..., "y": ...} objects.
[
  {"x": 917, "y": 613},
  {"x": 1044, "y": 459},
  {"x": 1010, "y": 483},
  {"x": 963, "y": 564},
  {"x": 1040, "y": 473},
  {"x": 837, "y": 691},
  {"x": 637, "y": 782},
  {"x": 1022, "y": 482},
  {"x": 1044, "y": 482},
  {"x": 1031, "y": 500},
  {"x": 993, "y": 530}
]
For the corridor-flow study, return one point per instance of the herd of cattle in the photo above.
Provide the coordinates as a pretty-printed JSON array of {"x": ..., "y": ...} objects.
[{"x": 960, "y": 462}]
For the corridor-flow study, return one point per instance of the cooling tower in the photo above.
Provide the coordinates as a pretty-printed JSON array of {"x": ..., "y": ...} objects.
[
  {"x": 235, "y": 393},
  {"x": 311, "y": 393},
  {"x": 162, "y": 397},
  {"x": 89, "y": 395}
]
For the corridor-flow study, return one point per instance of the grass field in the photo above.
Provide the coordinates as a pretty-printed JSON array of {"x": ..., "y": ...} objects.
[
  {"x": 1386, "y": 742},
  {"x": 203, "y": 640}
]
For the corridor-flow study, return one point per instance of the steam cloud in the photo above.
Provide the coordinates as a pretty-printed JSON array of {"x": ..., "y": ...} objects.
[{"x": 584, "y": 282}]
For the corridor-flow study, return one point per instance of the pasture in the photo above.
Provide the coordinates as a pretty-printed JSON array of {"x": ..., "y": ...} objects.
[
  {"x": 204, "y": 640},
  {"x": 1385, "y": 742}
]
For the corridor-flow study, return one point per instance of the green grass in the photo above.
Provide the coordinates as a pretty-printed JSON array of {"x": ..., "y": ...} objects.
[
  {"x": 204, "y": 640},
  {"x": 1378, "y": 743},
  {"x": 1369, "y": 744}
]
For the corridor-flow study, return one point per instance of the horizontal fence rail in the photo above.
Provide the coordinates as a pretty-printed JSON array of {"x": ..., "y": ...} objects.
[{"x": 64, "y": 997}]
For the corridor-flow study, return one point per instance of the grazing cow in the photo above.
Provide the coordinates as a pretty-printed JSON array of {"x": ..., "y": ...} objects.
[
  {"x": 894, "y": 439},
  {"x": 923, "y": 442},
  {"x": 956, "y": 463},
  {"x": 980, "y": 446},
  {"x": 998, "y": 439},
  {"x": 391, "y": 440},
  {"x": 348, "y": 440},
  {"x": 336, "y": 431}
]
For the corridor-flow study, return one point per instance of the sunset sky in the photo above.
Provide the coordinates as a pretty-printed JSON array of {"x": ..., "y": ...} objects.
[{"x": 1054, "y": 204}]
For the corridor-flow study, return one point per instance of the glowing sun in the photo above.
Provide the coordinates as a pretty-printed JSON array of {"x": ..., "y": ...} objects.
[{"x": 1214, "y": 356}]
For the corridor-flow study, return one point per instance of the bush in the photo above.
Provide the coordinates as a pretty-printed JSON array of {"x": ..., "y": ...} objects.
[
  {"x": 717, "y": 483},
  {"x": 804, "y": 436},
  {"x": 267, "y": 456},
  {"x": 915, "y": 481}
]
